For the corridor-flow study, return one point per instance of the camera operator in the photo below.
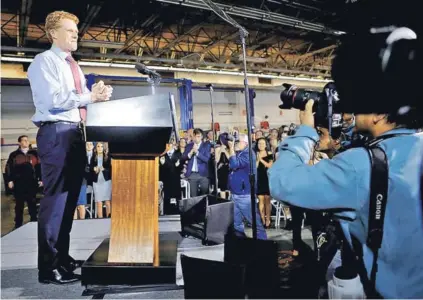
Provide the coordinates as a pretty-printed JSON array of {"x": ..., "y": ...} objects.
[
  {"x": 239, "y": 186},
  {"x": 346, "y": 183}
]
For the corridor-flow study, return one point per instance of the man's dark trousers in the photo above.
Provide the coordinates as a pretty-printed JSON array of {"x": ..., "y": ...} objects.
[
  {"x": 62, "y": 153},
  {"x": 25, "y": 191},
  {"x": 198, "y": 183}
]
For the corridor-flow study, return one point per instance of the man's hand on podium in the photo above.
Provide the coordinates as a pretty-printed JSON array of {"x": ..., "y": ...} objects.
[
  {"x": 101, "y": 92},
  {"x": 162, "y": 160}
]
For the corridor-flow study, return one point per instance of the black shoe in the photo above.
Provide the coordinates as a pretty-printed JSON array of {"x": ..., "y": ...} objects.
[
  {"x": 72, "y": 264},
  {"x": 57, "y": 276}
]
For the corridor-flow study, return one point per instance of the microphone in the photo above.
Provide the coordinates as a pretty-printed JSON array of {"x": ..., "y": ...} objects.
[{"x": 141, "y": 68}]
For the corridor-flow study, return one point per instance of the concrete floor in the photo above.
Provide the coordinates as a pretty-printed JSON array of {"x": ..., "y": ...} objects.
[{"x": 19, "y": 255}]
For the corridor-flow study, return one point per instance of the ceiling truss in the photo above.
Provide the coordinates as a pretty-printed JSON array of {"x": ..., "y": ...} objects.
[{"x": 181, "y": 43}]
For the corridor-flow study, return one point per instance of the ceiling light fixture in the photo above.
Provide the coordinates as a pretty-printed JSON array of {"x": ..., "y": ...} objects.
[{"x": 173, "y": 69}]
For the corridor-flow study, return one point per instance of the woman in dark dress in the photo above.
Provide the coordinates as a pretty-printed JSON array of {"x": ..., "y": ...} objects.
[
  {"x": 222, "y": 161},
  {"x": 170, "y": 175},
  {"x": 264, "y": 162}
]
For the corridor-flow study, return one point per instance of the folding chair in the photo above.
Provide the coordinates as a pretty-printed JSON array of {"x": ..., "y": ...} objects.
[{"x": 280, "y": 212}]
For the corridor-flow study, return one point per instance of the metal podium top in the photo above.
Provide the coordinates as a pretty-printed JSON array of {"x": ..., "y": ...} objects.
[
  {"x": 145, "y": 111},
  {"x": 139, "y": 125}
]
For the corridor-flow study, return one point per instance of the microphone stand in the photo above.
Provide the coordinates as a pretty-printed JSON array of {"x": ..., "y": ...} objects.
[
  {"x": 210, "y": 87},
  {"x": 243, "y": 34},
  {"x": 252, "y": 175}
]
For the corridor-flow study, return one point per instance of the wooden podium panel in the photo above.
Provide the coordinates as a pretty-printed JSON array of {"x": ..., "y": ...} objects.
[{"x": 134, "y": 235}]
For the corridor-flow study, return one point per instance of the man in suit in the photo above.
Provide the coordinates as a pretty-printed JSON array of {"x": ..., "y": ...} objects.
[
  {"x": 197, "y": 154},
  {"x": 60, "y": 97}
]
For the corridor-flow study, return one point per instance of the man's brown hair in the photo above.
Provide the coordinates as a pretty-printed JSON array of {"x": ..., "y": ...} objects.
[{"x": 53, "y": 21}]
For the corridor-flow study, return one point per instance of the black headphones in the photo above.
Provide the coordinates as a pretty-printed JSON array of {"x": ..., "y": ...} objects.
[
  {"x": 398, "y": 34},
  {"x": 374, "y": 70}
]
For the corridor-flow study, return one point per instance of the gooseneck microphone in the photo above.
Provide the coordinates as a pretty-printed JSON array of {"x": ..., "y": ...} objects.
[{"x": 141, "y": 68}]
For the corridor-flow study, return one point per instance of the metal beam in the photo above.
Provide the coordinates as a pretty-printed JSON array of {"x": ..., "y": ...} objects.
[
  {"x": 226, "y": 37},
  {"x": 24, "y": 14},
  {"x": 98, "y": 44},
  {"x": 139, "y": 32},
  {"x": 112, "y": 27},
  {"x": 92, "y": 13},
  {"x": 304, "y": 56},
  {"x": 180, "y": 38},
  {"x": 258, "y": 14}
]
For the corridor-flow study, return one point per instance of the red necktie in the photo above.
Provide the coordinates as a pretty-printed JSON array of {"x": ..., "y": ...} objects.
[{"x": 77, "y": 79}]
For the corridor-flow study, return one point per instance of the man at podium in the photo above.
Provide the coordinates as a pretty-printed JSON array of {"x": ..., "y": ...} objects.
[{"x": 60, "y": 97}]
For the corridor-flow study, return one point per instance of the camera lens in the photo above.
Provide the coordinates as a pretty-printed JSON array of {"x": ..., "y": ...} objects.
[
  {"x": 293, "y": 97},
  {"x": 287, "y": 96}
]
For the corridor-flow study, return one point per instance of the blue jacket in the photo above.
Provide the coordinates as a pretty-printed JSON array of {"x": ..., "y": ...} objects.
[
  {"x": 239, "y": 165},
  {"x": 344, "y": 182},
  {"x": 203, "y": 158}
]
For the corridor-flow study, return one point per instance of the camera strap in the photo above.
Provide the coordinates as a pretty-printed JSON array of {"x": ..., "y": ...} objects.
[{"x": 377, "y": 208}]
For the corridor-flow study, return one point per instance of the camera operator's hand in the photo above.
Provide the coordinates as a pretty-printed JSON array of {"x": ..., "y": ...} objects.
[{"x": 306, "y": 115}]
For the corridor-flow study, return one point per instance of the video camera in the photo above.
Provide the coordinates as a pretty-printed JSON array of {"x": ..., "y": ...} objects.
[{"x": 225, "y": 137}]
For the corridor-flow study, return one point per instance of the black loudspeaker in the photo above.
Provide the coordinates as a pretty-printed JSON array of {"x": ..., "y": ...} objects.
[
  {"x": 260, "y": 259},
  {"x": 208, "y": 279},
  {"x": 207, "y": 217}
]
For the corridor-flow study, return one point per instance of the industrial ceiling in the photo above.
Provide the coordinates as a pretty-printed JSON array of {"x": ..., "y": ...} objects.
[{"x": 286, "y": 37}]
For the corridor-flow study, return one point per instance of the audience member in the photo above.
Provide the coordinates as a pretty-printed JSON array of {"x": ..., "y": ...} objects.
[
  {"x": 102, "y": 184},
  {"x": 87, "y": 181},
  {"x": 222, "y": 161},
  {"x": 197, "y": 154},
  {"x": 23, "y": 173},
  {"x": 239, "y": 186},
  {"x": 263, "y": 163},
  {"x": 170, "y": 175}
]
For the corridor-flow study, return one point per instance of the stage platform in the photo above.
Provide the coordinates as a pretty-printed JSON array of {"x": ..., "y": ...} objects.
[{"x": 19, "y": 274}]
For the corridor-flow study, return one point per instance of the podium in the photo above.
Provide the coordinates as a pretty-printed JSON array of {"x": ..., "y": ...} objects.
[{"x": 137, "y": 130}]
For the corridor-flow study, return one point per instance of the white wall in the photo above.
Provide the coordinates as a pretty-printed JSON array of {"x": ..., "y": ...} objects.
[
  {"x": 230, "y": 110},
  {"x": 266, "y": 103}
]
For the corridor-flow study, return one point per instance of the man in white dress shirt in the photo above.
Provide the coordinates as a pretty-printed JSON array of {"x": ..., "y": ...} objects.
[{"x": 60, "y": 97}]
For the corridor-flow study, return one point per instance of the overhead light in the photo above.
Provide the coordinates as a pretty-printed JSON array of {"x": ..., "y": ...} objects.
[
  {"x": 16, "y": 59},
  {"x": 93, "y": 64},
  {"x": 172, "y": 69}
]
